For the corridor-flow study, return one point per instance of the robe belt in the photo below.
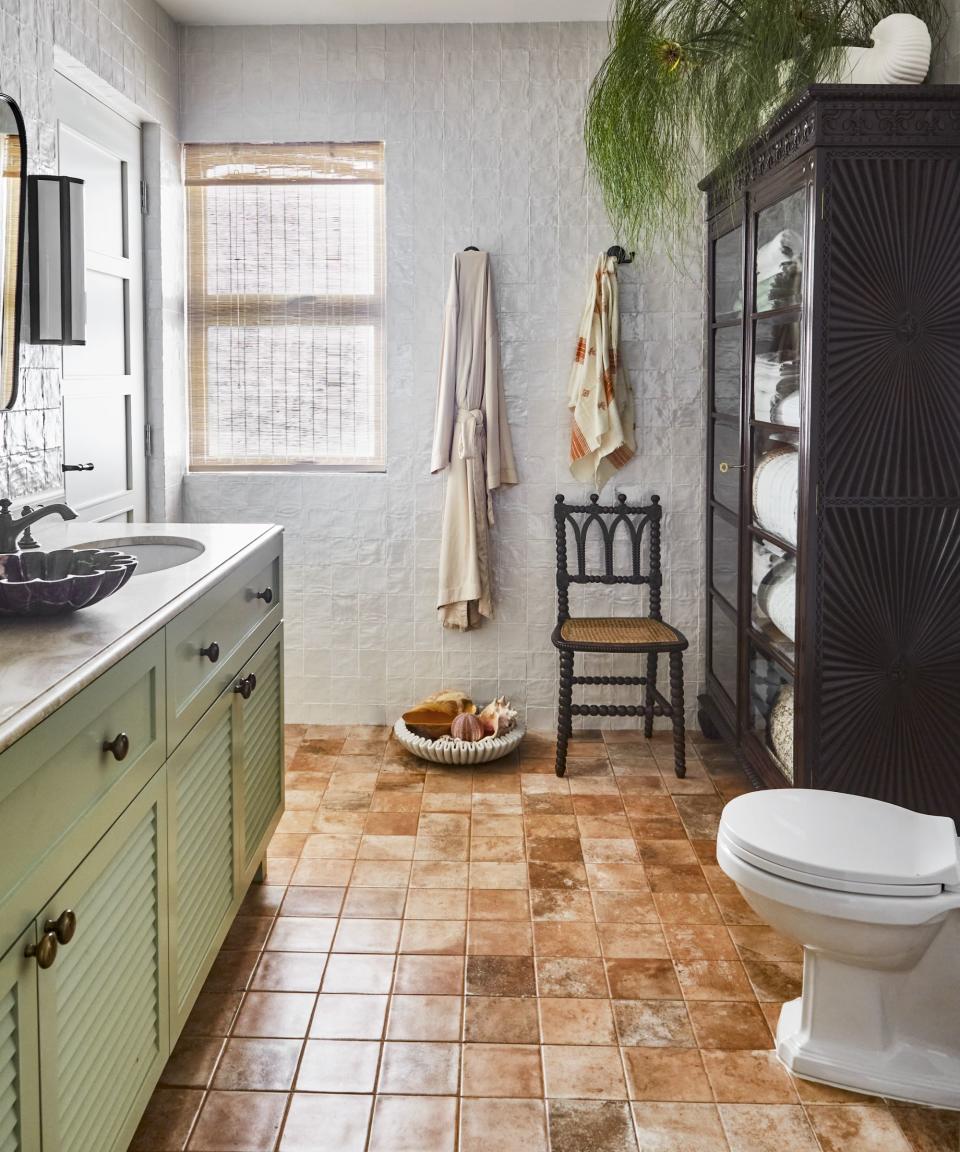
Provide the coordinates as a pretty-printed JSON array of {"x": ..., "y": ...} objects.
[{"x": 471, "y": 440}]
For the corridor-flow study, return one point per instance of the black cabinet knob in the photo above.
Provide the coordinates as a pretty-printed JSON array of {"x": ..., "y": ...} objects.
[
  {"x": 119, "y": 746},
  {"x": 212, "y": 652},
  {"x": 245, "y": 686},
  {"x": 266, "y": 595}
]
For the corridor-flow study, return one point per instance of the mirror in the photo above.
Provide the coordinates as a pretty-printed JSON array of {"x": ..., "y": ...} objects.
[{"x": 13, "y": 170}]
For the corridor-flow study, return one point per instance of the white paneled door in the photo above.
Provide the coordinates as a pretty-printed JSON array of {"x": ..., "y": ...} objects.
[{"x": 103, "y": 379}]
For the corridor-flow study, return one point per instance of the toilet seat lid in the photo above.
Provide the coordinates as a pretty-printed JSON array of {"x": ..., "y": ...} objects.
[{"x": 835, "y": 836}]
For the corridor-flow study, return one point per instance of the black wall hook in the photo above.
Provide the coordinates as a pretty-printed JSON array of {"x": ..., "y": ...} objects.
[
  {"x": 471, "y": 248},
  {"x": 621, "y": 255}
]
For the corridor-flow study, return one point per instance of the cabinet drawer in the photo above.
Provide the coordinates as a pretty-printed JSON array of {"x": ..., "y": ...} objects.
[
  {"x": 207, "y": 644},
  {"x": 60, "y": 788}
]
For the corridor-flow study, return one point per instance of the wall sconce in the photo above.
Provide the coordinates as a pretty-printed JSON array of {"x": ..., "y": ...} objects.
[{"x": 58, "y": 306}]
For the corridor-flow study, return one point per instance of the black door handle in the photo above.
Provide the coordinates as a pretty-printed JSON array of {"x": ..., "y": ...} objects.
[{"x": 76, "y": 467}]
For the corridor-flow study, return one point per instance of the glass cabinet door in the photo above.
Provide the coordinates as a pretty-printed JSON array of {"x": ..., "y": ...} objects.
[
  {"x": 773, "y": 469},
  {"x": 725, "y": 392}
]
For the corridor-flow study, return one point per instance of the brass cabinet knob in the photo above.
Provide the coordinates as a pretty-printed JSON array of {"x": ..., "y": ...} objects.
[
  {"x": 119, "y": 746},
  {"x": 212, "y": 652},
  {"x": 45, "y": 951},
  {"x": 725, "y": 467},
  {"x": 63, "y": 927},
  {"x": 266, "y": 595}
]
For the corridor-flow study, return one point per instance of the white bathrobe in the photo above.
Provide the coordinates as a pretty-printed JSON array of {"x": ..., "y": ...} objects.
[
  {"x": 602, "y": 432},
  {"x": 471, "y": 441}
]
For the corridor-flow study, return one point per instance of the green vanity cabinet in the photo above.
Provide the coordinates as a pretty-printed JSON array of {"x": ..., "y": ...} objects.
[
  {"x": 103, "y": 1020},
  {"x": 201, "y": 798},
  {"x": 260, "y": 754},
  {"x": 132, "y": 820},
  {"x": 19, "y": 1065}
]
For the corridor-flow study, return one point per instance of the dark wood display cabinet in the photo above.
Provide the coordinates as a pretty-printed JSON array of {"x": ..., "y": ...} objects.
[{"x": 833, "y": 447}]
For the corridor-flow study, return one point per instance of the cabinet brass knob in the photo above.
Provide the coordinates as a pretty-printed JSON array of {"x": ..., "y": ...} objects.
[
  {"x": 212, "y": 652},
  {"x": 266, "y": 595},
  {"x": 725, "y": 467},
  {"x": 245, "y": 686},
  {"x": 63, "y": 927},
  {"x": 119, "y": 746},
  {"x": 45, "y": 951}
]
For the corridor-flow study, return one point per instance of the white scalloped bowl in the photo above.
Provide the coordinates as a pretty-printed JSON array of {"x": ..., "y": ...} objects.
[{"x": 458, "y": 751}]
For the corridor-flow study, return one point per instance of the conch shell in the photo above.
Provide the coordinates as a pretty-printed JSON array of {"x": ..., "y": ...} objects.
[
  {"x": 432, "y": 717},
  {"x": 498, "y": 717},
  {"x": 900, "y": 54},
  {"x": 450, "y": 701}
]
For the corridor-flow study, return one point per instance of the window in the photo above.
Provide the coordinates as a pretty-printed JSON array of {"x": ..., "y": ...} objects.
[{"x": 285, "y": 305}]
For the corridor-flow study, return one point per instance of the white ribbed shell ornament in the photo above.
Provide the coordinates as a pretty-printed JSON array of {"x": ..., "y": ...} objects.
[{"x": 900, "y": 54}]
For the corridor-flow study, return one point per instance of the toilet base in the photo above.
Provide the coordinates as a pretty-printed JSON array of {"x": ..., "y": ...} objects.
[{"x": 902, "y": 1072}]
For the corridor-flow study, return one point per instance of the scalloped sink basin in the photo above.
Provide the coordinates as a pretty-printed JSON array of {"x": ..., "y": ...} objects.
[{"x": 154, "y": 553}]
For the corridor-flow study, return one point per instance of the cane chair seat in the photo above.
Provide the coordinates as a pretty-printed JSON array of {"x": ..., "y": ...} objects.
[{"x": 620, "y": 632}]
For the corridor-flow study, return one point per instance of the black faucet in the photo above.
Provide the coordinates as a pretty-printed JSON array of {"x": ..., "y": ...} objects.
[{"x": 11, "y": 528}]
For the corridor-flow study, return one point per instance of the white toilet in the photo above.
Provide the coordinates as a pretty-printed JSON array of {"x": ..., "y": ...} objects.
[{"x": 872, "y": 892}]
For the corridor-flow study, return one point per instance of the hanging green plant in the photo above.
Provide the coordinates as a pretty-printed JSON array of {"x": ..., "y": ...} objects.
[{"x": 688, "y": 82}]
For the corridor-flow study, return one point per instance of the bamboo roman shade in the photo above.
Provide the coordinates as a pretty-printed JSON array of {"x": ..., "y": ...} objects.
[{"x": 285, "y": 305}]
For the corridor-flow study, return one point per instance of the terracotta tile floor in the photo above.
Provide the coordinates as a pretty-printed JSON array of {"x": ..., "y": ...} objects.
[{"x": 500, "y": 961}]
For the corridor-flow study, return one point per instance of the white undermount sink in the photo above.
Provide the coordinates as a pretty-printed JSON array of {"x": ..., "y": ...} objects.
[{"x": 153, "y": 553}]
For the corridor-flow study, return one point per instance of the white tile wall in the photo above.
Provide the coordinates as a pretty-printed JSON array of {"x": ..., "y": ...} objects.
[
  {"x": 483, "y": 143},
  {"x": 131, "y": 46}
]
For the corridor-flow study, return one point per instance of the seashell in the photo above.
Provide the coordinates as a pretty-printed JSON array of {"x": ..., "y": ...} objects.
[
  {"x": 449, "y": 701},
  {"x": 466, "y": 727},
  {"x": 498, "y": 717},
  {"x": 429, "y": 722},
  {"x": 900, "y": 54}
]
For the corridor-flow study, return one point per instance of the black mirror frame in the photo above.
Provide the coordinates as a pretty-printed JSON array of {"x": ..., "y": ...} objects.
[{"x": 21, "y": 228}]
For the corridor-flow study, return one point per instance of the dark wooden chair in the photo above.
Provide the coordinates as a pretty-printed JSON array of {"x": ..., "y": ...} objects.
[{"x": 615, "y": 634}]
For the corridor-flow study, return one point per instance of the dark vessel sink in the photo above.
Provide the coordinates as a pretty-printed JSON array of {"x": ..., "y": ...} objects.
[{"x": 48, "y": 583}]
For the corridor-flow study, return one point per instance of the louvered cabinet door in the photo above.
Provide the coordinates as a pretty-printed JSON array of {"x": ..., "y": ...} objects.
[
  {"x": 200, "y": 804},
  {"x": 103, "y": 1002},
  {"x": 260, "y": 753},
  {"x": 19, "y": 1068}
]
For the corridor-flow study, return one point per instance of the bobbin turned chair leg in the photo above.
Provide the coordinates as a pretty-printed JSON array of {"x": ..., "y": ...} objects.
[
  {"x": 676, "y": 706},
  {"x": 649, "y": 694},
  {"x": 564, "y": 717}
]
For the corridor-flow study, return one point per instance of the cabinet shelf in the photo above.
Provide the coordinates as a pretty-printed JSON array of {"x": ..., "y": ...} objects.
[
  {"x": 775, "y": 429},
  {"x": 728, "y": 320},
  {"x": 772, "y": 538},
  {"x": 788, "y": 311},
  {"x": 767, "y": 645}
]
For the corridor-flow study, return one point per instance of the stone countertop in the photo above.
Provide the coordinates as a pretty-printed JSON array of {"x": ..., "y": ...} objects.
[{"x": 45, "y": 662}]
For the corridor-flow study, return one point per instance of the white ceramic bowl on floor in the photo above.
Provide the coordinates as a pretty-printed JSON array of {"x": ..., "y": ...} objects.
[{"x": 458, "y": 751}]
